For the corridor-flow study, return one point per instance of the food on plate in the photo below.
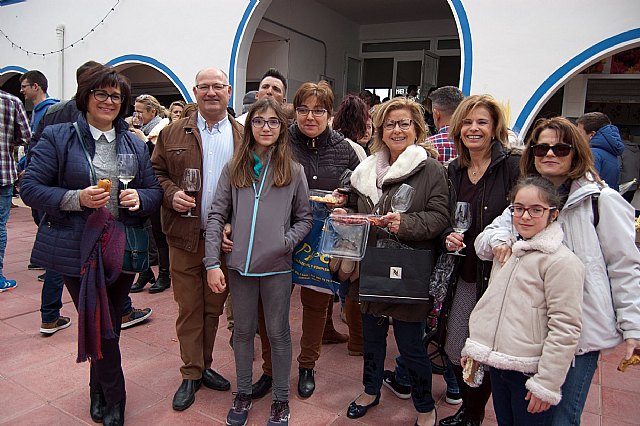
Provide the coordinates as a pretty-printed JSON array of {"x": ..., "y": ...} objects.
[
  {"x": 327, "y": 199},
  {"x": 105, "y": 184}
]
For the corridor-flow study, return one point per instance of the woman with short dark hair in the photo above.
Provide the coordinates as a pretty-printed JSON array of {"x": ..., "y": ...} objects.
[{"x": 61, "y": 182}]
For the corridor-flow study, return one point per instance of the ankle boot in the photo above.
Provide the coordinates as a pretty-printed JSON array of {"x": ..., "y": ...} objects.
[
  {"x": 98, "y": 403},
  {"x": 330, "y": 335},
  {"x": 114, "y": 413},
  {"x": 354, "y": 321},
  {"x": 143, "y": 278},
  {"x": 162, "y": 283}
]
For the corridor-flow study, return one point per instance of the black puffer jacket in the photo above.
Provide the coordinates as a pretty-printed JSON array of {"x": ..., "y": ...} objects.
[{"x": 325, "y": 158}]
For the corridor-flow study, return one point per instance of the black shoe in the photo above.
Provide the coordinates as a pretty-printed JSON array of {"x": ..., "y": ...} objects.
[
  {"x": 42, "y": 277},
  {"x": 186, "y": 394},
  {"x": 114, "y": 413},
  {"x": 34, "y": 267},
  {"x": 261, "y": 387},
  {"x": 356, "y": 411},
  {"x": 162, "y": 283},
  {"x": 389, "y": 380},
  {"x": 215, "y": 381},
  {"x": 456, "y": 420},
  {"x": 144, "y": 278},
  {"x": 136, "y": 316},
  {"x": 306, "y": 382},
  {"x": 98, "y": 403}
]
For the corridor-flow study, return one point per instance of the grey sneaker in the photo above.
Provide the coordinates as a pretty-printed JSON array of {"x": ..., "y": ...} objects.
[
  {"x": 279, "y": 414},
  {"x": 52, "y": 327},
  {"x": 239, "y": 413},
  {"x": 136, "y": 316}
]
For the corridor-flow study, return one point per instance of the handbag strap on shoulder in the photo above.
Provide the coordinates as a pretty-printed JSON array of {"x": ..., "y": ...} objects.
[{"x": 94, "y": 180}]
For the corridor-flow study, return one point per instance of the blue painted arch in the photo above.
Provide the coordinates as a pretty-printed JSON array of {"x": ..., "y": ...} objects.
[
  {"x": 565, "y": 70},
  {"x": 157, "y": 65},
  {"x": 13, "y": 68},
  {"x": 467, "y": 47},
  {"x": 236, "y": 42}
]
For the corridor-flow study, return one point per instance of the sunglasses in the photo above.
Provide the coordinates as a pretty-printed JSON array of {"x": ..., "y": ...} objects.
[{"x": 559, "y": 150}]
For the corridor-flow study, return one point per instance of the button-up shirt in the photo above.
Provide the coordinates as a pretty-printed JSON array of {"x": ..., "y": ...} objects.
[
  {"x": 446, "y": 148},
  {"x": 217, "y": 150},
  {"x": 14, "y": 131}
]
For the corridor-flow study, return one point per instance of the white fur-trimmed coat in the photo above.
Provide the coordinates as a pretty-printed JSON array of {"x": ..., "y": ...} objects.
[{"x": 529, "y": 319}]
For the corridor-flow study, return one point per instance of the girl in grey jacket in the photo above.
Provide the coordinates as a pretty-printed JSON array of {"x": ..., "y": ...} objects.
[{"x": 264, "y": 194}]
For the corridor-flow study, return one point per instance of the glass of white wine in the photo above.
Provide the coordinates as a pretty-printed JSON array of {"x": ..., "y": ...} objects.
[
  {"x": 461, "y": 221},
  {"x": 127, "y": 169}
]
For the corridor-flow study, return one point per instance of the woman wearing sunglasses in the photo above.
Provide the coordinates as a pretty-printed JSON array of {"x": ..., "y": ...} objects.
[{"x": 598, "y": 226}]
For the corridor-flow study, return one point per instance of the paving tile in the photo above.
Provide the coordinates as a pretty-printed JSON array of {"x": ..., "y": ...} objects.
[
  {"x": 46, "y": 415},
  {"x": 594, "y": 400},
  {"x": 55, "y": 379},
  {"x": 590, "y": 419},
  {"x": 619, "y": 405},
  {"x": 614, "y": 356},
  {"x": 22, "y": 352},
  {"x": 627, "y": 381},
  {"x": 16, "y": 400}
]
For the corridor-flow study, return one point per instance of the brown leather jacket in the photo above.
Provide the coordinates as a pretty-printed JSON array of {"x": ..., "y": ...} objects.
[{"x": 179, "y": 146}]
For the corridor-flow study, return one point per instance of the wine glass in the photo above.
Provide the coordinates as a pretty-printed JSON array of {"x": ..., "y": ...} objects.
[
  {"x": 401, "y": 200},
  {"x": 191, "y": 182},
  {"x": 136, "y": 120},
  {"x": 127, "y": 169},
  {"x": 461, "y": 221}
]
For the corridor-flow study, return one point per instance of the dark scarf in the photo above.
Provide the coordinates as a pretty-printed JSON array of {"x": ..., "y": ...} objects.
[
  {"x": 147, "y": 128},
  {"x": 102, "y": 248}
]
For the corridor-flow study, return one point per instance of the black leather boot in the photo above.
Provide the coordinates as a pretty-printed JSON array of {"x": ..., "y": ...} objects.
[
  {"x": 143, "y": 278},
  {"x": 114, "y": 413},
  {"x": 96, "y": 409},
  {"x": 162, "y": 283},
  {"x": 306, "y": 382}
]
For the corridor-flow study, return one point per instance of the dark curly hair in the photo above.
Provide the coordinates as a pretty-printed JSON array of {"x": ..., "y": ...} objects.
[{"x": 351, "y": 118}]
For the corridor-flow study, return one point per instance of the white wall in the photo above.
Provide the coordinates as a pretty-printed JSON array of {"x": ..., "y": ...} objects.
[
  {"x": 186, "y": 39},
  {"x": 518, "y": 45},
  {"x": 405, "y": 30}
]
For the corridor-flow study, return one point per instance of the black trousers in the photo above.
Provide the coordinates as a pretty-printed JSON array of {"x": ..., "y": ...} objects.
[
  {"x": 106, "y": 374},
  {"x": 474, "y": 400}
]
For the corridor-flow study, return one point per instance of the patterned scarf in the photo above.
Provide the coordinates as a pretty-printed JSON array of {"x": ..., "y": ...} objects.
[
  {"x": 147, "y": 128},
  {"x": 102, "y": 248}
]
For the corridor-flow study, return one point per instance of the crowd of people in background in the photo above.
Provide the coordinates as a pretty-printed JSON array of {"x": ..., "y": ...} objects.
[{"x": 547, "y": 208}]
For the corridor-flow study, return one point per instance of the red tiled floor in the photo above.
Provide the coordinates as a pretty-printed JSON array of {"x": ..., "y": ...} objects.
[{"x": 40, "y": 382}]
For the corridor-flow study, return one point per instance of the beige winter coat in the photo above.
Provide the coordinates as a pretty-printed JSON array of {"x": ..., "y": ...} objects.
[{"x": 530, "y": 317}]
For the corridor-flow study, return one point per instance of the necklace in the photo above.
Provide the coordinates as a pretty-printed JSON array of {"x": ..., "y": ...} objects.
[{"x": 476, "y": 175}]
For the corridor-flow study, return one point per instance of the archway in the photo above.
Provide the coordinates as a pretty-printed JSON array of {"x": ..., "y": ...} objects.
[
  {"x": 304, "y": 47},
  {"x": 590, "y": 56},
  {"x": 9, "y": 80}
]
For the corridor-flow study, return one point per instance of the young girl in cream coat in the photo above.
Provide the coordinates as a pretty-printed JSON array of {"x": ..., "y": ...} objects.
[{"x": 527, "y": 324}]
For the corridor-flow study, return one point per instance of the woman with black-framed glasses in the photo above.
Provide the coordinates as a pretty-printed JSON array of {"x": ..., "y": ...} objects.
[
  {"x": 599, "y": 228},
  {"x": 61, "y": 182},
  {"x": 326, "y": 157}
]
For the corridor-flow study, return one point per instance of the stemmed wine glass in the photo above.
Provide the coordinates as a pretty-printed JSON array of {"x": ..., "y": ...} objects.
[
  {"x": 401, "y": 200},
  {"x": 127, "y": 169},
  {"x": 191, "y": 182},
  {"x": 461, "y": 221},
  {"x": 136, "y": 120}
]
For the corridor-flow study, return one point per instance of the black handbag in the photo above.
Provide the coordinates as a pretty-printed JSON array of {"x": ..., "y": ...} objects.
[
  {"x": 395, "y": 275},
  {"x": 136, "y": 250},
  {"x": 441, "y": 277}
]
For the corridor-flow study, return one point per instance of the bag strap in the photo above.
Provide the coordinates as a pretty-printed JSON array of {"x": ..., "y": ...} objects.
[
  {"x": 594, "y": 208},
  {"x": 86, "y": 153}
]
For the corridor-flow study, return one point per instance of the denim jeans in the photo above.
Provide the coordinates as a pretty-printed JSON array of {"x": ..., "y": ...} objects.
[
  {"x": 575, "y": 390},
  {"x": 51, "y": 299},
  {"x": 6, "y": 192},
  {"x": 409, "y": 339},
  {"x": 509, "y": 391}
]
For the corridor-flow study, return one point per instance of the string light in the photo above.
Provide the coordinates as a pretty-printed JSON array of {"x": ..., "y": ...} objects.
[{"x": 70, "y": 45}]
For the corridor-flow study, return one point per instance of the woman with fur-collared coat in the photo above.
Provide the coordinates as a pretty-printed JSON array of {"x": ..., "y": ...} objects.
[{"x": 397, "y": 159}]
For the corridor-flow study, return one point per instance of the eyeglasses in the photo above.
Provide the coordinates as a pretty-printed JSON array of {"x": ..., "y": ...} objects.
[
  {"x": 534, "y": 211},
  {"x": 24, "y": 86},
  {"x": 272, "y": 123},
  {"x": 391, "y": 124},
  {"x": 318, "y": 112},
  {"x": 216, "y": 87},
  {"x": 102, "y": 96},
  {"x": 559, "y": 150}
]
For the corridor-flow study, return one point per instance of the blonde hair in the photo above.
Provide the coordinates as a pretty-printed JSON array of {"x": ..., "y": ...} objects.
[
  {"x": 150, "y": 102},
  {"x": 464, "y": 109},
  {"x": 417, "y": 117}
]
